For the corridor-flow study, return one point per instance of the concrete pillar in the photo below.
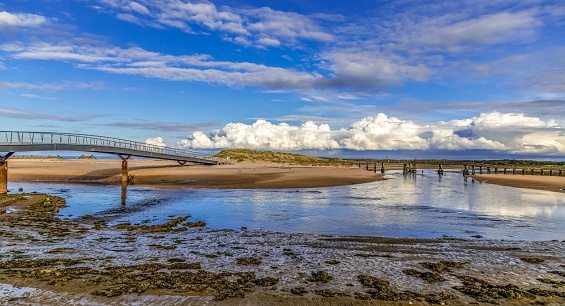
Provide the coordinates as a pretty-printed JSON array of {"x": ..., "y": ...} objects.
[
  {"x": 124, "y": 170},
  {"x": 439, "y": 170},
  {"x": 560, "y": 172},
  {"x": 488, "y": 170},
  {"x": 382, "y": 167},
  {"x": 514, "y": 171},
  {"x": 3, "y": 177},
  {"x": 481, "y": 169},
  {"x": 473, "y": 169}
]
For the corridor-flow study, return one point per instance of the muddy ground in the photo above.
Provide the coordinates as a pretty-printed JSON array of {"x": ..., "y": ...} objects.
[{"x": 49, "y": 261}]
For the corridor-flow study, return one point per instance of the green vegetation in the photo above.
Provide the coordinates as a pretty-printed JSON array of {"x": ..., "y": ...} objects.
[{"x": 240, "y": 155}]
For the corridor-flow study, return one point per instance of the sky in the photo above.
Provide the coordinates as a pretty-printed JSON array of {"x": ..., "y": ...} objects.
[{"x": 331, "y": 76}]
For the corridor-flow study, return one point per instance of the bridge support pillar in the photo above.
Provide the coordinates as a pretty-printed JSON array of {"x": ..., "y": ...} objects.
[
  {"x": 125, "y": 177},
  {"x": 4, "y": 173},
  {"x": 3, "y": 177},
  {"x": 181, "y": 162},
  {"x": 124, "y": 171}
]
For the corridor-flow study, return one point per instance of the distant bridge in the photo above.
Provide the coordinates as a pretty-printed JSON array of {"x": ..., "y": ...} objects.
[{"x": 14, "y": 141}]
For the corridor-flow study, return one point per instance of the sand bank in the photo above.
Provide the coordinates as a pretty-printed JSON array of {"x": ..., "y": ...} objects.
[
  {"x": 170, "y": 174},
  {"x": 549, "y": 183}
]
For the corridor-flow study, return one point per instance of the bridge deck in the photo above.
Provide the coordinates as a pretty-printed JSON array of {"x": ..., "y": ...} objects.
[{"x": 13, "y": 141}]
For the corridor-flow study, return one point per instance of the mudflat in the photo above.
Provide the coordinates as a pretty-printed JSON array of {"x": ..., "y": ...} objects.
[{"x": 47, "y": 260}]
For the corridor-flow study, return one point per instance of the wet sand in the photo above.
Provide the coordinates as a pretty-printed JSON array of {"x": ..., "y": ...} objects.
[
  {"x": 549, "y": 183},
  {"x": 170, "y": 174},
  {"x": 48, "y": 261}
]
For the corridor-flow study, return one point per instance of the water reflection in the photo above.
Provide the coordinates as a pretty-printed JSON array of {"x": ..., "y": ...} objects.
[
  {"x": 124, "y": 192},
  {"x": 413, "y": 205}
]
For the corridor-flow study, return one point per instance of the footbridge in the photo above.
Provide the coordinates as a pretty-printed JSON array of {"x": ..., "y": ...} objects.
[{"x": 15, "y": 141}]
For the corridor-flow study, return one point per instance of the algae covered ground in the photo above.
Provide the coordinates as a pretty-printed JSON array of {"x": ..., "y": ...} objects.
[{"x": 47, "y": 260}]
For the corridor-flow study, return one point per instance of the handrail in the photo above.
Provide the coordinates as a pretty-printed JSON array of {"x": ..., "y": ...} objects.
[{"x": 33, "y": 138}]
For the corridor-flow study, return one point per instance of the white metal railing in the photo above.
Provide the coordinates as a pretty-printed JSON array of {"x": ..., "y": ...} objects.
[{"x": 37, "y": 138}]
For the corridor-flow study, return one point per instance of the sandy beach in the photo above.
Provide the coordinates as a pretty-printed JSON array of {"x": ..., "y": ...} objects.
[
  {"x": 549, "y": 183},
  {"x": 170, "y": 174}
]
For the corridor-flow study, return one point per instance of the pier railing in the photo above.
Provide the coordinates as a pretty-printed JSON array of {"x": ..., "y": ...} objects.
[{"x": 50, "y": 138}]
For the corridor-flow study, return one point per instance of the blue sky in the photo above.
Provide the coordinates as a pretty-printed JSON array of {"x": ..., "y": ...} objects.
[{"x": 290, "y": 75}]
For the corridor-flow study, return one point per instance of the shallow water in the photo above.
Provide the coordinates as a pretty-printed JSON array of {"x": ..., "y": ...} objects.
[{"x": 421, "y": 205}]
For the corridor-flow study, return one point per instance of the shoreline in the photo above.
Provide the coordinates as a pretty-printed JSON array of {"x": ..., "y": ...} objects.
[
  {"x": 245, "y": 175},
  {"x": 171, "y": 174},
  {"x": 537, "y": 182},
  {"x": 50, "y": 261}
]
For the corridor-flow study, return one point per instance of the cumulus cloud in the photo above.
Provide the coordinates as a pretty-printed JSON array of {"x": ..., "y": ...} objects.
[
  {"x": 263, "y": 134},
  {"x": 156, "y": 141},
  {"x": 9, "y": 20},
  {"x": 514, "y": 133}
]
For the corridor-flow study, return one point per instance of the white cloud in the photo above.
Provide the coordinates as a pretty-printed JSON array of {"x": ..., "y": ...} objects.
[
  {"x": 263, "y": 26},
  {"x": 136, "y": 7},
  {"x": 129, "y": 18},
  {"x": 263, "y": 134},
  {"x": 34, "y": 96},
  {"x": 514, "y": 133},
  {"x": 9, "y": 20},
  {"x": 156, "y": 141},
  {"x": 363, "y": 68},
  {"x": 270, "y": 42},
  {"x": 443, "y": 33},
  {"x": 52, "y": 87}
]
